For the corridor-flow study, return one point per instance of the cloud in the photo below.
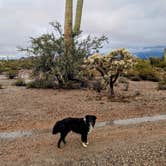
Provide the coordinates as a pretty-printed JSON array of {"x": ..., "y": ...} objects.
[{"x": 128, "y": 23}]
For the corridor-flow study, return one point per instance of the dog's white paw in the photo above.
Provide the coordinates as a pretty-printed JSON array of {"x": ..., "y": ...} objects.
[
  {"x": 84, "y": 145},
  {"x": 87, "y": 143}
]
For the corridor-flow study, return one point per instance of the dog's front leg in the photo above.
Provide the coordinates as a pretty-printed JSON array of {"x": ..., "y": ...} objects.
[{"x": 84, "y": 140}]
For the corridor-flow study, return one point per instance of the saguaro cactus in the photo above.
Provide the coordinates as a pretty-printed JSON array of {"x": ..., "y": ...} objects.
[
  {"x": 78, "y": 16},
  {"x": 68, "y": 39}
]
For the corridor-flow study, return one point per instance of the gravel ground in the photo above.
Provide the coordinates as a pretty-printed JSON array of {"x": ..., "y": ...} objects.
[
  {"x": 28, "y": 109},
  {"x": 41, "y": 108},
  {"x": 142, "y": 144}
]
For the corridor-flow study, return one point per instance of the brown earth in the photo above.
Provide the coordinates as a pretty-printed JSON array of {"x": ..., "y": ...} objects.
[
  {"x": 143, "y": 144},
  {"x": 26, "y": 109}
]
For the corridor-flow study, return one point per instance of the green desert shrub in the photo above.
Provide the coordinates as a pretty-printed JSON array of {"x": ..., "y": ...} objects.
[
  {"x": 71, "y": 85},
  {"x": 149, "y": 75},
  {"x": 51, "y": 58},
  {"x": 20, "y": 82},
  {"x": 157, "y": 62},
  {"x": 41, "y": 83},
  {"x": 133, "y": 75},
  {"x": 143, "y": 70},
  {"x": 11, "y": 74},
  {"x": 162, "y": 65},
  {"x": 135, "y": 78},
  {"x": 1, "y": 68},
  {"x": 162, "y": 84},
  {"x": 7, "y": 65}
]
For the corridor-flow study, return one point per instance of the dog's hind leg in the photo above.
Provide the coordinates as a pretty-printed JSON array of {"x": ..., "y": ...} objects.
[
  {"x": 62, "y": 138},
  {"x": 59, "y": 143}
]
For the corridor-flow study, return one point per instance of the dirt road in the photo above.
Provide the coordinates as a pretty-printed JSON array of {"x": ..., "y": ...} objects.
[
  {"x": 27, "y": 109},
  {"x": 143, "y": 144}
]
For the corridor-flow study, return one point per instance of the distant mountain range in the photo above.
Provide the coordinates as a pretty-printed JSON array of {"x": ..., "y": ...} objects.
[
  {"x": 143, "y": 53},
  {"x": 147, "y": 52}
]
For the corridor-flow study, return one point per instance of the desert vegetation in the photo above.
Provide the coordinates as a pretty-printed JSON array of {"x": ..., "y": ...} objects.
[
  {"x": 20, "y": 82},
  {"x": 111, "y": 66},
  {"x": 66, "y": 59},
  {"x": 162, "y": 84},
  {"x": 11, "y": 68},
  {"x": 66, "y": 75},
  {"x": 55, "y": 70}
]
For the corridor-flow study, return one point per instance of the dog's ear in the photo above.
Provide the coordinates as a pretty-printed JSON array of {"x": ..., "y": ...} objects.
[
  {"x": 86, "y": 116},
  {"x": 94, "y": 117},
  {"x": 90, "y": 116}
]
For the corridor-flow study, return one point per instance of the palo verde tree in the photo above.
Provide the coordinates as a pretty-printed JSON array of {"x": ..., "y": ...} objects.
[
  {"x": 50, "y": 56},
  {"x": 61, "y": 54},
  {"x": 110, "y": 66}
]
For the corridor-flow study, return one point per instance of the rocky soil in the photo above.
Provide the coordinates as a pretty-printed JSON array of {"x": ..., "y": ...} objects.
[
  {"x": 142, "y": 144},
  {"x": 27, "y": 109}
]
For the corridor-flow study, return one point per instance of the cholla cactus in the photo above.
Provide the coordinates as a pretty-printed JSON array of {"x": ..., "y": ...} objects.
[{"x": 111, "y": 66}]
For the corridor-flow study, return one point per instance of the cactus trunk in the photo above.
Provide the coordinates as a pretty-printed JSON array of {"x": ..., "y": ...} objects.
[
  {"x": 78, "y": 16},
  {"x": 68, "y": 39}
]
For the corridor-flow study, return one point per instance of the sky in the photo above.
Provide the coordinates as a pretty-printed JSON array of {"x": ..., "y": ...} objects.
[{"x": 127, "y": 23}]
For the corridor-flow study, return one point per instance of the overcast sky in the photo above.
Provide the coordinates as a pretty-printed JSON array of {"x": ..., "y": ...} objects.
[{"x": 128, "y": 23}]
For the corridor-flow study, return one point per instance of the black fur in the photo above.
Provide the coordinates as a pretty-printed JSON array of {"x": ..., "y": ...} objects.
[{"x": 77, "y": 125}]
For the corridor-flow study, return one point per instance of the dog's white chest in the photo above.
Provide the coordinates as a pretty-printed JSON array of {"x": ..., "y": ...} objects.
[{"x": 90, "y": 128}]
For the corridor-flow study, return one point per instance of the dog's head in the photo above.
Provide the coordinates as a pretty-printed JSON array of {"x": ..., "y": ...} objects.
[{"x": 91, "y": 120}]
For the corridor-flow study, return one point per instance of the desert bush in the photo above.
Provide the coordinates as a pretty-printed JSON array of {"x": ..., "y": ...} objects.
[
  {"x": 41, "y": 84},
  {"x": 149, "y": 74},
  {"x": 135, "y": 78},
  {"x": 71, "y": 85},
  {"x": 20, "y": 82},
  {"x": 133, "y": 75},
  {"x": 96, "y": 85},
  {"x": 146, "y": 72},
  {"x": 1, "y": 68},
  {"x": 11, "y": 74},
  {"x": 51, "y": 57},
  {"x": 8, "y": 65},
  {"x": 162, "y": 65},
  {"x": 143, "y": 70},
  {"x": 26, "y": 63},
  {"x": 162, "y": 84},
  {"x": 157, "y": 62}
]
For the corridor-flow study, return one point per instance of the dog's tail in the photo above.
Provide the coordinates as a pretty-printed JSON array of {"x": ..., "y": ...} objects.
[{"x": 56, "y": 128}]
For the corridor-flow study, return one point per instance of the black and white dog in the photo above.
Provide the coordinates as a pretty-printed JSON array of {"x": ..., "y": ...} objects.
[{"x": 78, "y": 125}]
